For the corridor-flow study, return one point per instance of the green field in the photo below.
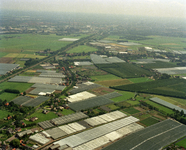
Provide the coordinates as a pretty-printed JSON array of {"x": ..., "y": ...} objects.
[
  {"x": 160, "y": 107},
  {"x": 131, "y": 110},
  {"x": 67, "y": 111},
  {"x": 3, "y": 54},
  {"x": 14, "y": 85},
  {"x": 138, "y": 80},
  {"x": 8, "y": 96},
  {"x": 125, "y": 96},
  {"x": 182, "y": 143},
  {"x": 167, "y": 87},
  {"x": 149, "y": 121},
  {"x": 124, "y": 70},
  {"x": 104, "y": 77},
  {"x": 112, "y": 107},
  {"x": 165, "y": 42},
  {"x": 4, "y": 113},
  {"x": 34, "y": 42},
  {"x": 41, "y": 116},
  {"x": 82, "y": 48},
  {"x": 133, "y": 102}
]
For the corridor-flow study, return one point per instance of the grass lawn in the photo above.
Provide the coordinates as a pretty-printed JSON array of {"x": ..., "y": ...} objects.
[
  {"x": 8, "y": 96},
  {"x": 82, "y": 48},
  {"x": 112, "y": 107},
  {"x": 41, "y": 117},
  {"x": 29, "y": 42},
  {"x": 149, "y": 121},
  {"x": 15, "y": 85},
  {"x": 62, "y": 96},
  {"x": 182, "y": 143},
  {"x": 138, "y": 80},
  {"x": 125, "y": 96},
  {"x": 104, "y": 77},
  {"x": 160, "y": 107},
  {"x": 67, "y": 111},
  {"x": 4, "y": 113},
  {"x": 131, "y": 110},
  {"x": 21, "y": 63},
  {"x": 133, "y": 102}
]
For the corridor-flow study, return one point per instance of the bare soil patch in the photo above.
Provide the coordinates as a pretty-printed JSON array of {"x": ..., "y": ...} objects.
[
  {"x": 140, "y": 109},
  {"x": 30, "y": 89},
  {"x": 169, "y": 44},
  {"x": 114, "y": 82},
  {"x": 101, "y": 91},
  {"x": 8, "y": 60}
]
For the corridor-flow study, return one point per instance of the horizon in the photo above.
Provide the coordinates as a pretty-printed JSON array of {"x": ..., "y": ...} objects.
[{"x": 143, "y": 8}]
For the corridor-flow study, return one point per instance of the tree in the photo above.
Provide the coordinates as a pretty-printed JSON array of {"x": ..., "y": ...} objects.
[{"x": 15, "y": 143}]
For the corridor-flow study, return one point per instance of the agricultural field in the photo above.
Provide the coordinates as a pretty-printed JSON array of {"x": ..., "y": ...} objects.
[
  {"x": 8, "y": 96},
  {"x": 101, "y": 91},
  {"x": 19, "y": 55},
  {"x": 30, "y": 43},
  {"x": 159, "y": 64},
  {"x": 113, "y": 107},
  {"x": 131, "y": 110},
  {"x": 116, "y": 82},
  {"x": 167, "y": 87},
  {"x": 126, "y": 95},
  {"x": 124, "y": 70},
  {"x": 138, "y": 80},
  {"x": 149, "y": 121},
  {"x": 133, "y": 102},
  {"x": 160, "y": 107},
  {"x": 41, "y": 116},
  {"x": 4, "y": 114},
  {"x": 165, "y": 42},
  {"x": 2, "y": 54},
  {"x": 182, "y": 143},
  {"x": 81, "y": 49},
  {"x": 89, "y": 71},
  {"x": 104, "y": 77},
  {"x": 17, "y": 86}
]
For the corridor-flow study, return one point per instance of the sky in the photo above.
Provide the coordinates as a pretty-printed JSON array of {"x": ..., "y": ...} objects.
[{"x": 157, "y": 8}]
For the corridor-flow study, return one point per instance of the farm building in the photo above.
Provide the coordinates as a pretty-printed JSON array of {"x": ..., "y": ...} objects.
[
  {"x": 153, "y": 137},
  {"x": 5, "y": 68},
  {"x": 167, "y": 104},
  {"x": 170, "y": 71},
  {"x": 99, "y": 136},
  {"x": 68, "y": 39},
  {"x": 28, "y": 101},
  {"x": 80, "y": 96}
]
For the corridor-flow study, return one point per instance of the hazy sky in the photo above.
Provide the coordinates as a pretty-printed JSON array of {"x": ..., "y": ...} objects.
[{"x": 163, "y": 8}]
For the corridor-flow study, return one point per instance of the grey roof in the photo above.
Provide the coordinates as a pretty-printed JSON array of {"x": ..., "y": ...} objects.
[
  {"x": 46, "y": 71},
  {"x": 68, "y": 118},
  {"x": 153, "y": 137},
  {"x": 56, "y": 133},
  {"x": 97, "y": 132},
  {"x": 84, "y": 87},
  {"x": 83, "y": 63},
  {"x": 52, "y": 75},
  {"x": 46, "y": 124},
  {"x": 7, "y": 67},
  {"x": 90, "y": 103},
  {"x": 35, "y": 80},
  {"x": 48, "y": 86},
  {"x": 167, "y": 104},
  {"x": 108, "y": 60},
  {"x": 36, "y": 91},
  {"x": 28, "y": 101},
  {"x": 128, "y": 43}
]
